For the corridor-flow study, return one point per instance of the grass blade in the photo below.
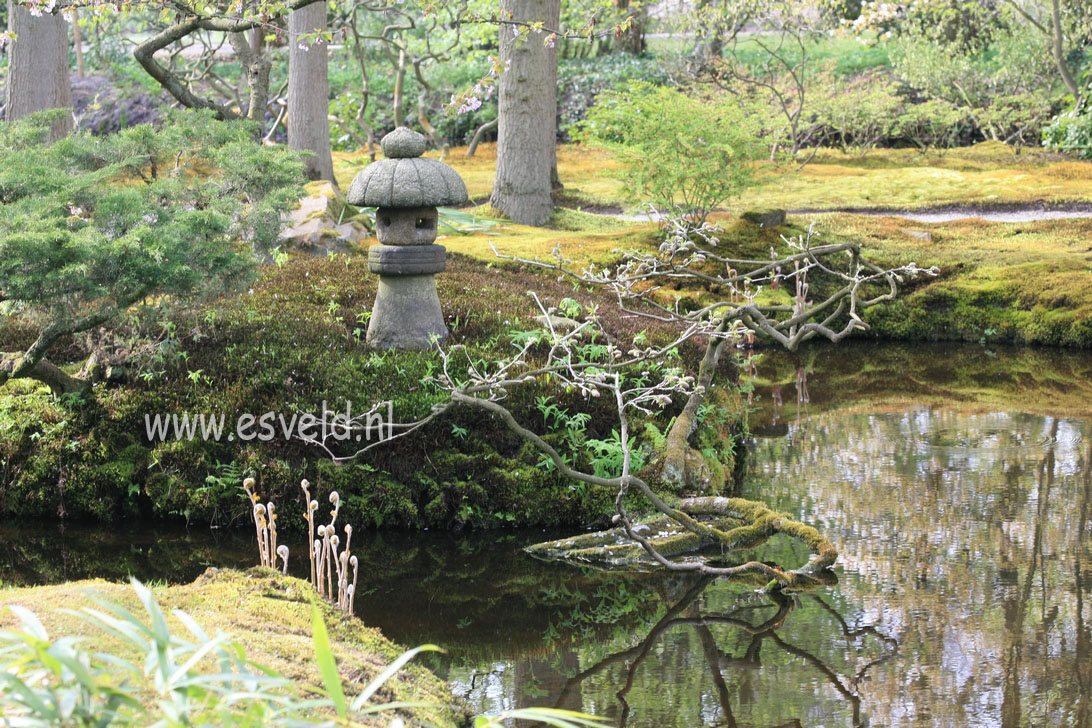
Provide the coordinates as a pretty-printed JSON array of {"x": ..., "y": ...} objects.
[
  {"x": 327, "y": 665},
  {"x": 389, "y": 672}
]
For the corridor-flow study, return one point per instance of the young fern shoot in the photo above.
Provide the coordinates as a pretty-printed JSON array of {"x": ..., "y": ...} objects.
[{"x": 329, "y": 565}]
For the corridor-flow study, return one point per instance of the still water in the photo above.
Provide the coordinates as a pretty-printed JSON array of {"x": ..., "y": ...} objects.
[{"x": 956, "y": 481}]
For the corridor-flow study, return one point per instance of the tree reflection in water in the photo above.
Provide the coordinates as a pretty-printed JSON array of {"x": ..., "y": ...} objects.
[{"x": 688, "y": 612}]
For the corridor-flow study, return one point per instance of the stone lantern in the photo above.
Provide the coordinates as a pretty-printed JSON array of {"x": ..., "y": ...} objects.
[{"x": 406, "y": 188}]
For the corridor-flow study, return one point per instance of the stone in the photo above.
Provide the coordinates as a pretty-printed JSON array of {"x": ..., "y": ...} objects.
[
  {"x": 406, "y": 225},
  {"x": 406, "y": 314},
  {"x": 398, "y": 260},
  {"x": 406, "y": 190},
  {"x": 405, "y": 179},
  {"x": 313, "y": 227},
  {"x": 765, "y": 218},
  {"x": 919, "y": 234},
  {"x": 561, "y": 324},
  {"x": 417, "y": 182},
  {"x": 403, "y": 143}
]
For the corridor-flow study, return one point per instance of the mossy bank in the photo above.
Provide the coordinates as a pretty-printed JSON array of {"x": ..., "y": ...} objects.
[
  {"x": 269, "y": 614},
  {"x": 291, "y": 343},
  {"x": 296, "y": 340}
]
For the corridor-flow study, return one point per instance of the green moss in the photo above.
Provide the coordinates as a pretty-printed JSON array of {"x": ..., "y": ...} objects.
[
  {"x": 1000, "y": 282},
  {"x": 579, "y": 221},
  {"x": 270, "y": 615},
  {"x": 373, "y": 498},
  {"x": 292, "y": 343}
]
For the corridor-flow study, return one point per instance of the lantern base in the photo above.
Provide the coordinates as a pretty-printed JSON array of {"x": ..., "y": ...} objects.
[{"x": 406, "y": 314}]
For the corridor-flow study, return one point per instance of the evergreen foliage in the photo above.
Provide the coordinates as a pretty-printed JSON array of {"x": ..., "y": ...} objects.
[{"x": 94, "y": 228}]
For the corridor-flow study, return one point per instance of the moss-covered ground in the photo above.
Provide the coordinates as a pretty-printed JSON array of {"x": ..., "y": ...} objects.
[
  {"x": 985, "y": 175},
  {"x": 1025, "y": 283},
  {"x": 1013, "y": 282},
  {"x": 269, "y": 614},
  {"x": 292, "y": 342}
]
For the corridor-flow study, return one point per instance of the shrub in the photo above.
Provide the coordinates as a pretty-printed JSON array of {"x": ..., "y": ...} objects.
[
  {"x": 857, "y": 113},
  {"x": 677, "y": 150},
  {"x": 934, "y": 124},
  {"x": 1071, "y": 132},
  {"x": 1003, "y": 89}
]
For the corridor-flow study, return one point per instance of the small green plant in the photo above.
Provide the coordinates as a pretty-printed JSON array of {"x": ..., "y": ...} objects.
[
  {"x": 677, "y": 150},
  {"x": 219, "y": 488},
  {"x": 280, "y": 257},
  {"x": 606, "y": 456},
  {"x": 570, "y": 307},
  {"x": 572, "y": 427},
  {"x": 1071, "y": 131}
]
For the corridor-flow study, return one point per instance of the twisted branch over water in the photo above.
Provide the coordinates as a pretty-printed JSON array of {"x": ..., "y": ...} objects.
[{"x": 757, "y": 522}]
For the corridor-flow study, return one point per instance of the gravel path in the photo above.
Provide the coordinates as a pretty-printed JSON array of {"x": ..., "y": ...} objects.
[
  {"x": 998, "y": 213},
  {"x": 1016, "y": 214}
]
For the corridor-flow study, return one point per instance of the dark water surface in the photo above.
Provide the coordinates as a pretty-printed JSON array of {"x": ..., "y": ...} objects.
[{"x": 956, "y": 481}]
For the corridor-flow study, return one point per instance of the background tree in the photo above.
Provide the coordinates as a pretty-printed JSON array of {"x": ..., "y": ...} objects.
[
  {"x": 778, "y": 71},
  {"x": 411, "y": 43},
  {"x": 309, "y": 90},
  {"x": 204, "y": 30},
  {"x": 38, "y": 66},
  {"x": 527, "y": 113}
]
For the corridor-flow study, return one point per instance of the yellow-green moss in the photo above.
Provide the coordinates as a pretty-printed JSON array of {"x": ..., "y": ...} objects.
[
  {"x": 1028, "y": 283},
  {"x": 269, "y": 614},
  {"x": 985, "y": 174},
  {"x": 990, "y": 173}
]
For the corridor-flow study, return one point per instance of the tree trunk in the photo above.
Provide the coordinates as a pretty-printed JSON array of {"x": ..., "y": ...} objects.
[
  {"x": 77, "y": 43},
  {"x": 308, "y": 92},
  {"x": 256, "y": 68},
  {"x": 38, "y": 67},
  {"x": 527, "y": 130},
  {"x": 1058, "y": 48},
  {"x": 59, "y": 381},
  {"x": 479, "y": 135}
]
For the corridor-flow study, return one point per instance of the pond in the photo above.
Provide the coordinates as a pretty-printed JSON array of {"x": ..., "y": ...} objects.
[{"x": 956, "y": 481}]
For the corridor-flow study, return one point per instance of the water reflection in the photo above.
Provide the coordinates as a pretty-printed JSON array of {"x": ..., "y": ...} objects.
[
  {"x": 752, "y": 620},
  {"x": 967, "y": 536},
  {"x": 43, "y": 553},
  {"x": 717, "y": 654}
]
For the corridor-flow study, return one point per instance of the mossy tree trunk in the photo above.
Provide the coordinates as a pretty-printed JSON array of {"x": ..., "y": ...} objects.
[
  {"x": 38, "y": 67},
  {"x": 14, "y": 366},
  {"x": 527, "y": 113},
  {"x": 677, "y": 444}
]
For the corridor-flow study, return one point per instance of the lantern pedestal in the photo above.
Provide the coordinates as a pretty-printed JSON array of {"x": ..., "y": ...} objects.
[{"x": 407, "y": 313}]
